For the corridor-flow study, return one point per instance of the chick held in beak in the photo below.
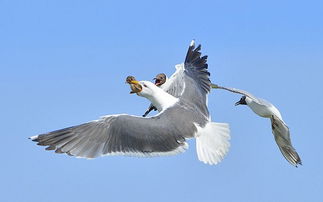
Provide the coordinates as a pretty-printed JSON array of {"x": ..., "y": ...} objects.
[{"x": 134, "y": 84}]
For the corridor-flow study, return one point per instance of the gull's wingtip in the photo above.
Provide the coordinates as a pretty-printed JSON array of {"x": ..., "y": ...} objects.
[
  {"x": 214, "y": 85},
  {"x": 33, "y": 137},
  {"x": 192, "y": 42},
  {"x": 298, "y": 163}
]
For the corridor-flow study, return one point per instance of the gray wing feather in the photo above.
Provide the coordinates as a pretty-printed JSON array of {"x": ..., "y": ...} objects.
[
  {"x": 191, "y": 80},
  {"x": 282, "y": 137},
  {"x": 196, "y": 67},
  {"x": 164, "y": 134},
  {"x": 245, "y": 93},
  {"x": 175, "y": 84},
  {"x": 197, "y": 79}
]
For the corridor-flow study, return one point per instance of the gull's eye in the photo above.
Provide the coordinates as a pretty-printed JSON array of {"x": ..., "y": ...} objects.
[{"x": 145, "y": 86}]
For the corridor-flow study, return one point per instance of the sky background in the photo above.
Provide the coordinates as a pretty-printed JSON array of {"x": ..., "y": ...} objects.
[{"x": 65, "y": 62}]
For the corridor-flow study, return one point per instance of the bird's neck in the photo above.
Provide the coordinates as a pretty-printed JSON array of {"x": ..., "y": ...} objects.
[
  {"x": 161, "y": 99},
  {"x": 248, "y": 100}
]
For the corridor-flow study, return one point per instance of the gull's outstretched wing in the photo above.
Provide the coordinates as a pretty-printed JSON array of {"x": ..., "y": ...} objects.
[
  {"x": 245, "y": 93},
  {"x": 175, "y": 84},
  {"x": 163, "y": 134},
  {"x": 282, "y": 137},
  {"x": 191, "y": 79}
]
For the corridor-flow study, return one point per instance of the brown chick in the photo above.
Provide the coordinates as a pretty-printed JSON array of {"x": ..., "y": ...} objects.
[
  {"x": 135, "y": 87},
  {"x": 160, "y": 79}
]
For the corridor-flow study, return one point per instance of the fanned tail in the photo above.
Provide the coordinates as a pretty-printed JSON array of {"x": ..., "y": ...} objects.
[{"x": 212, "y": 142}]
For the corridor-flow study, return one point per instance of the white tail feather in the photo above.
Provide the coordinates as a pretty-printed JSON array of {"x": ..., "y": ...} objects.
[{"x": 212, "y": 142}]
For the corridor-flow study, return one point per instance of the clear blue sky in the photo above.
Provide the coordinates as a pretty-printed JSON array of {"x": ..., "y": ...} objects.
[{"x": 64, "y": 63}]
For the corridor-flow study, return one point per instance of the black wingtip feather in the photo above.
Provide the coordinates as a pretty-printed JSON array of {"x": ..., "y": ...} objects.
[
  {"x": 189, "y": 53},
  {"x": 197, "y": 64}
]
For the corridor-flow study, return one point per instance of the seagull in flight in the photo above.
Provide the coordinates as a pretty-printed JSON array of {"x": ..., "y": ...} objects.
[
  {"x": 183, "y": 114},
  {"x": 266, "y": 109}
]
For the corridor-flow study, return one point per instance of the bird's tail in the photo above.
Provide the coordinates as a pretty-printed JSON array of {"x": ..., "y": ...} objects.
[{"x": 212, "y": 142}]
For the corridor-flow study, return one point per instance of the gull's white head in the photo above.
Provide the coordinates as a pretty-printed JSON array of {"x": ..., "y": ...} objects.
[
  {"x": 158, "y": 97},
  {"x": 148, "y": 89},
  {"x": 145, "y": 88}
]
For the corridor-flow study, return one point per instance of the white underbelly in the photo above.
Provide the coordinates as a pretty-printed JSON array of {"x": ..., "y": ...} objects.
[{"x": 264, "y": 111}]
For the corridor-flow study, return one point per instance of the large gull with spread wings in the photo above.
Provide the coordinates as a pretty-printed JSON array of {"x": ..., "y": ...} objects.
[{"x": 183, "y": 114}]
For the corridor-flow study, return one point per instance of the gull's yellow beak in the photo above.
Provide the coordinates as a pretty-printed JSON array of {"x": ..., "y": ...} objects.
[{"x": 134, "y": 82}]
